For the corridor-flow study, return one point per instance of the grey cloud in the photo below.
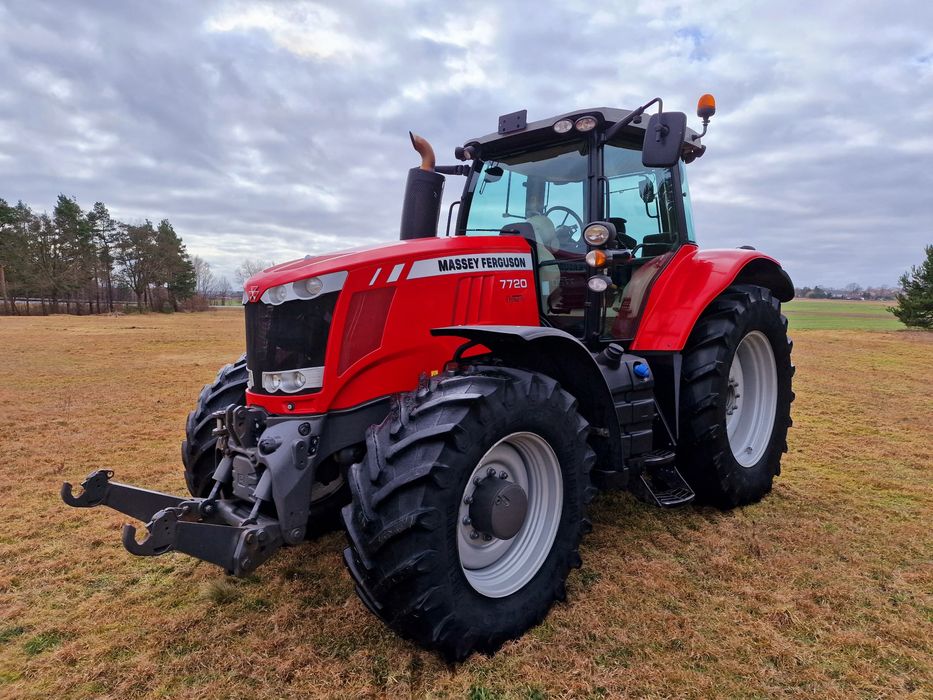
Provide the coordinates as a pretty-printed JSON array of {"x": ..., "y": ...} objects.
[{"x": 277, "y": 129}]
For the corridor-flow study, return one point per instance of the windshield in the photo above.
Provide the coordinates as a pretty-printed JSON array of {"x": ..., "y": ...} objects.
[
  {"x": 542, "y": 196},
  {"x": 531, "y": 187}
]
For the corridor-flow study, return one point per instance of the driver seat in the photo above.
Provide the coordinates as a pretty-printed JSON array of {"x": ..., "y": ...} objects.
[{"x": 621, "y": 236}]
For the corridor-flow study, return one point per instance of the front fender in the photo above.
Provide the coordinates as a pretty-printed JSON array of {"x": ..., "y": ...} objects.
[
  {"x": 691, "y": 281},
  {"x": 562, "y": 357}
]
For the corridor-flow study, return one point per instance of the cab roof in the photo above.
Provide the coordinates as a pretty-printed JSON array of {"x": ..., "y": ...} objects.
[{"x": 543, "y": 129}]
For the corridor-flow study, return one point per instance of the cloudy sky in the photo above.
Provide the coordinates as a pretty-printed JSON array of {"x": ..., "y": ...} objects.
[{"x": 276, "y": 129}]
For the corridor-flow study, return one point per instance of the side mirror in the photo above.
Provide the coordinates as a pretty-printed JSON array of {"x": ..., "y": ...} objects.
[
  {"x": 493, "y": 174},
  {"x": 664, "y": 139},
  {"x": 646, "y": 190}
]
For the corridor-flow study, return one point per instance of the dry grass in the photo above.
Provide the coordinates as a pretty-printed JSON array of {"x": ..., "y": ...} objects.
[{"x": 822, "y": 590}]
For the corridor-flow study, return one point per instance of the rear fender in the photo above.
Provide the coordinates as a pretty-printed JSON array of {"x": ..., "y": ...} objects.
[
  {"x": 691, "y": 281},
  {"x": 559, "y": 355}
]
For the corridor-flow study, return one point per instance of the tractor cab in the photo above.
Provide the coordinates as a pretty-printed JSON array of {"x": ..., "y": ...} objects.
[{"x": 547, "y": 180}]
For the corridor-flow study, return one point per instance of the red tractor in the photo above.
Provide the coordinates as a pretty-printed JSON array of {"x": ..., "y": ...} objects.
[{"x": 456, "y": 402}]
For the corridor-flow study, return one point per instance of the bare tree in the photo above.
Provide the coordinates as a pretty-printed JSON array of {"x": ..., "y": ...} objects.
[
  {"x": 205, "y": 284},
  {"x": 249, "y": 268},
  {"x": 223, "y": 289}
]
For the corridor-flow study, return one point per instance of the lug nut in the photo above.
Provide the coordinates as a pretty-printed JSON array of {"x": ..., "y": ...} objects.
[
  {"x": 491, "y": 471},
  {"x": 487, "y": 538},
  {"x": 474, "y": 535},
  {"x": 503, "y": 475},
  {"x": 467, "y": 521},
  {"x": 468, "y": 500},
  {"x": 477, "y": 480}
]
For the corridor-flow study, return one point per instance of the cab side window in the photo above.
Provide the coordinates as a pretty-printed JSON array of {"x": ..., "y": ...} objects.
[{"x": 640, "y": 202}]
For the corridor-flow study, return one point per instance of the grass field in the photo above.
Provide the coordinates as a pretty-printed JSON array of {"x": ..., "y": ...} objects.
[
  {"x": 823, "y": 590},
  {"x": 832, "y": 314}
]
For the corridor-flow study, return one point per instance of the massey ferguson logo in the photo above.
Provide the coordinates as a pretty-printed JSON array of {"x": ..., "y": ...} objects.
[
  {"x": 253, "y": 292},
  {"x": 455, "y": 264}
]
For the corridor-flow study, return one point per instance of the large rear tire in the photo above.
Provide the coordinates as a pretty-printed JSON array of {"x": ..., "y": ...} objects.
[
  {"x": 735, "y": 398},
  {"x": 200, "y": 456},
  {"x": 420, "y": 558}
]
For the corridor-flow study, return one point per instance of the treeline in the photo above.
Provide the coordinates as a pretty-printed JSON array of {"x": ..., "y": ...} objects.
[
  {"x": 852, "y": 291},
  {"x": 87, "y": 262}
]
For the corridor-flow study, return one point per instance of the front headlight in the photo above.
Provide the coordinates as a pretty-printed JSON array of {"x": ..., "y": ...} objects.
[
  {"x": 304, "y": 289},
  {"x": 293, "y": 380},
  {"x": 563, "y": 126},
  {"x": 277, "y": 294},
  {"x": 596, "y": 234},
  {"x": 312, "y": 286},
  {"x": 599, "y": 283},
  {"x": 585, "y": 123}
]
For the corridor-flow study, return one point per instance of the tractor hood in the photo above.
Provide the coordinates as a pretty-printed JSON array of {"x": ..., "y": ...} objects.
[{"x": 389, "y": 259}]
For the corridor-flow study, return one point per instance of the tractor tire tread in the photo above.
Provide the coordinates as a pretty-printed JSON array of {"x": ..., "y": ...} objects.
[
  {"x": 420, "y": 450},
  {"x": 704, "y": 454}
]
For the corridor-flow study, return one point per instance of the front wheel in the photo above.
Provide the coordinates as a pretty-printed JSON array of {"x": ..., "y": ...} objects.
[
  {"x": 468, "y": 509},
  {"x": 735, "y": 398}
]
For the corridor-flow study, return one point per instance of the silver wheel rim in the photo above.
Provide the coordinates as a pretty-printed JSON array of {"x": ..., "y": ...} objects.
[
  {"x": 497, "y": 568},
  {"x": 751, "y": 399}
]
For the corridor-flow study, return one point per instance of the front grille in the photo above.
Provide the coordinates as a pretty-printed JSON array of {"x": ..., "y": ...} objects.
[{"x": 292, "y": 335}]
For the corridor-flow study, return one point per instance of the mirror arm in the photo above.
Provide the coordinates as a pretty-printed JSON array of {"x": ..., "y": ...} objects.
[
  {"x": 453, "y": 169},
  {"x": 697, "y": 137},
  {"x": 636, "y": 114}
]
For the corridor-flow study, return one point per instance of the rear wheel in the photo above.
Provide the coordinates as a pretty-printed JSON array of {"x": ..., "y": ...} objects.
[
  {"x": 200, "y": 456},
  {"x": 735, "y": 398},
  {"x": 468, "y": 509}
]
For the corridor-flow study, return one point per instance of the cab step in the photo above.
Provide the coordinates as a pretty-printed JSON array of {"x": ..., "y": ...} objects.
[{"x": 661, "y": 484}]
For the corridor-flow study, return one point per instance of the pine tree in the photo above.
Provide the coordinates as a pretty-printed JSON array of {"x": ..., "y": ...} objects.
[
  {"x": 173, "y": 265},
  {"x": 11, "y": 252},
  {"x": 915, "y": 302},
  {"x": 105, "y": 233},
  {"x": 135, "y": 253}
]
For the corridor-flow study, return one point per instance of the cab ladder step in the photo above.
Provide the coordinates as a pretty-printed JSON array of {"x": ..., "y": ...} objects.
[{"x": 661, "y": 483}]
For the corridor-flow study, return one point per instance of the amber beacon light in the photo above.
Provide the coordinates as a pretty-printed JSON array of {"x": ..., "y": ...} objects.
[{"x": 706, "y": 107}]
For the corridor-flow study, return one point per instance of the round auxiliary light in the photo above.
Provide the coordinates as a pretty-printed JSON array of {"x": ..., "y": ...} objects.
[
  {"x": 596, "y": 258},
  {"x": 563, "y": 126},
  {"x": 596, "y": 234},
  {"x": 585, "y": 123},
  {"x": 299, "y": 379},
  {"x": 598, "y": 283},
  {"x": 277, "y": 294},
  {"x": 313, "y": 286},
  {"x": 276, "y": 381}
]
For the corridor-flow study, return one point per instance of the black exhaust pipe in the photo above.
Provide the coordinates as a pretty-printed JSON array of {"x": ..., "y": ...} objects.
[{"x": 421, "y": 208}]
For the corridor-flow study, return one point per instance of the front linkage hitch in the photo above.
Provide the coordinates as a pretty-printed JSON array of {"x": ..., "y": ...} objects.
[{"x": 259, "y": 464}]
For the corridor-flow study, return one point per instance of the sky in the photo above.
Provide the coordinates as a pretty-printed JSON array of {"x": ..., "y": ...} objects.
[{"x": 272, "y": 130}]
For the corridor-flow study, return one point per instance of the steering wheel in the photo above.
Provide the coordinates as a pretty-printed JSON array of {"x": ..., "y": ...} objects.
[{"x": 569, "y": 236}]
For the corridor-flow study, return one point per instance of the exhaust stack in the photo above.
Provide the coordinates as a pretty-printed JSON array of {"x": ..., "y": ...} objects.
[{"x": 421, "y": 208}]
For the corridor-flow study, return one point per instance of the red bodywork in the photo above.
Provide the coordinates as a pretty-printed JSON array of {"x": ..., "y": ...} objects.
[
  {"x": 684, "y": 289},
  {"x": 399, "y": 331},
  {"x": 380, "y": 339}
]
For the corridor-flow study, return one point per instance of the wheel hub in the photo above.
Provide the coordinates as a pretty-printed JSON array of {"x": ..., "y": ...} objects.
[
  {"x": 499, "y": 507},
  {"x": 508, "y": 543}
]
